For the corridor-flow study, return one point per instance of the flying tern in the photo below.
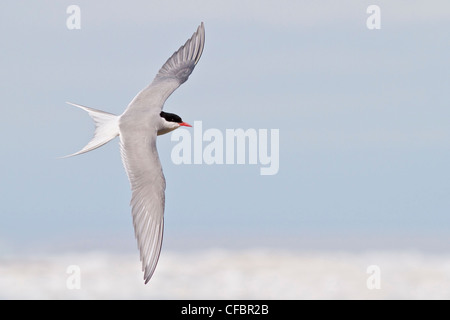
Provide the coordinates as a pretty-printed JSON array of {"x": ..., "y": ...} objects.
[{"x": 137, "y": 127}]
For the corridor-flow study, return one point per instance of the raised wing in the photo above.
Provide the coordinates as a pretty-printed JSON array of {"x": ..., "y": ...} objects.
[
  {"x": 141, "y": 161},
  {"x": 172, "y": 74}
]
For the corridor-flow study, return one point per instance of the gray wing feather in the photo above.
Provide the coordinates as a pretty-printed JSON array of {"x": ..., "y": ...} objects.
[
  {"x": 148, "y": 184},
  {"x": 181, "y": 64},
  {"x": 175, "y": 71},
  {"x": 138, "y": 132}
]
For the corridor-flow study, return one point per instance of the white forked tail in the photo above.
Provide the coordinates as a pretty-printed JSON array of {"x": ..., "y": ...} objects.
[{"x": 106, "y": 128}]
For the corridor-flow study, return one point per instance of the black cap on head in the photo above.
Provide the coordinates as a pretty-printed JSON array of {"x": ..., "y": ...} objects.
[{"x": 170, "y": 117}]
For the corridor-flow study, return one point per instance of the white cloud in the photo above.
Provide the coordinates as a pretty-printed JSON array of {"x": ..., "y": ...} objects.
[{"x": 219, "y": 274}]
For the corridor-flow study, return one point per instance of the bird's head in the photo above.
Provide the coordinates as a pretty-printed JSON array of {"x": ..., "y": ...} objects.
[{"x": 170, "y": 122}]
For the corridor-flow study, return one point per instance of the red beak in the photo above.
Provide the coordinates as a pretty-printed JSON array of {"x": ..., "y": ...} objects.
[{"x": 184, "y": 124}]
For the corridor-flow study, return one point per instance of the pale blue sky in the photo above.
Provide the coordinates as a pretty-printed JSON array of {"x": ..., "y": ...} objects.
[{"x": 363, "y": 118}]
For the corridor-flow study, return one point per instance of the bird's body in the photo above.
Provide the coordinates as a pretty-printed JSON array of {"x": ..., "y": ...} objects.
[{"x": 142, "y": 121}]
